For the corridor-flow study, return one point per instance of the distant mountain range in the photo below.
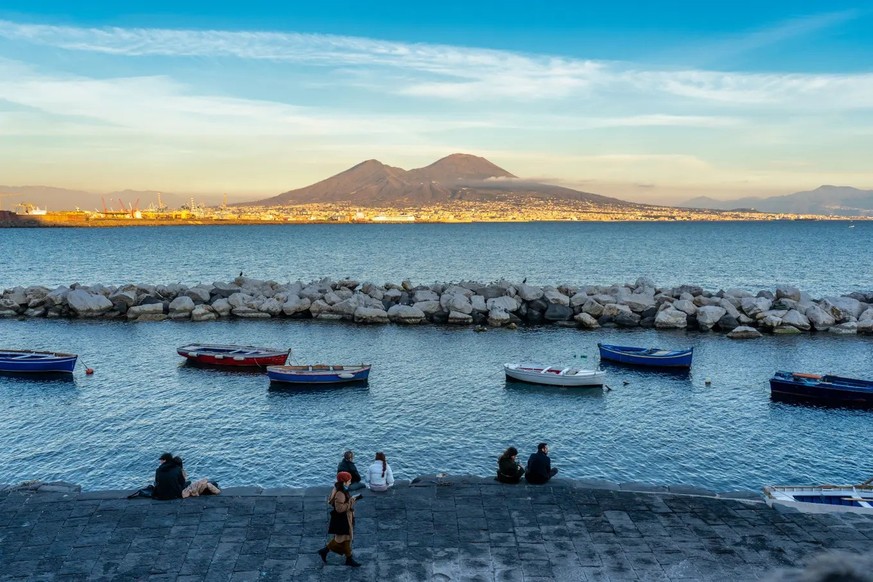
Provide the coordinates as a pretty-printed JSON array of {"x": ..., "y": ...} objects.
[
  {"x": 832, "y": 200},
  {"x": 458, "y": 177}
]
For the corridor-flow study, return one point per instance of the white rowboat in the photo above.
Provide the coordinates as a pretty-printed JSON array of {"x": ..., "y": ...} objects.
[{"x": 554, "y": 375}]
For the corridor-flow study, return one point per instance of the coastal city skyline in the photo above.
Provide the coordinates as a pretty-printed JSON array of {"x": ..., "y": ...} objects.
[{"x": 645, "y": 104}]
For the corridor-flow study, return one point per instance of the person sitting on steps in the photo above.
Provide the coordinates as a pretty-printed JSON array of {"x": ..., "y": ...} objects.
[
  {"x": 509, "y": 470},
  {"x": 348, "y": 465},
  {"x": 539, "y": 466}
]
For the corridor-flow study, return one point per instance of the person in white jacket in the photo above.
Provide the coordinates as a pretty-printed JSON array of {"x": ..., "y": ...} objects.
[{"x": 379, "y": 475}]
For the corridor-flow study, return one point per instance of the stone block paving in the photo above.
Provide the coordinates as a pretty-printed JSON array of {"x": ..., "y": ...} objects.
[{"x": 463, "y": 528}]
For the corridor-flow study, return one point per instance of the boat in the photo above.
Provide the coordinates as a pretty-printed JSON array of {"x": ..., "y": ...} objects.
[
  {"x": 824, "y": 389},
  {"x": 646, "y": 356},
  {"x": 823, "y": 498},
  {"x": 554, "y": 375},
  {"x": 319, "y": 373},
  {"x": 34, "y": 362},
  {"x": 233, "y": 356}
]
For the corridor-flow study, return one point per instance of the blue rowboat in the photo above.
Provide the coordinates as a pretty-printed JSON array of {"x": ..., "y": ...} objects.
[
  {"x": 319, "y": 374},
  {"x": 32, "y": 362},
  {"x": 825, "y": 389},
  {"x": 654, "y": 357}
]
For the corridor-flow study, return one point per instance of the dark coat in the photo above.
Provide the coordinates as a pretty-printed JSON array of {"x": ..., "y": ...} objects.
[
  {"x": 169, "y": 481},
  {"x": 350, "y": 468},
  {"x": 509, "y": 471},
  {"x": 539, "y": 468}
]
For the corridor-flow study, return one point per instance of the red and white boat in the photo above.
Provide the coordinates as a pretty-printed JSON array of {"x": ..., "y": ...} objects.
[{"x": 233, "y": 356}]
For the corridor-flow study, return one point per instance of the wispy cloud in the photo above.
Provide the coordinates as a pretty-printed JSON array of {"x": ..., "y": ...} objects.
[{"x": 474, "y": 74}]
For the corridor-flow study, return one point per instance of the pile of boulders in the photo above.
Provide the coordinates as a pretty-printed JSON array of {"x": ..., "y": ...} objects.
[{"x": 738, "y": 312}]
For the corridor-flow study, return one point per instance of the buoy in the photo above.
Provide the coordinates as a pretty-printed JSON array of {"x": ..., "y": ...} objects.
[
  {"x": 89, "y": 371},
  {"x": 707, "y": 381}
]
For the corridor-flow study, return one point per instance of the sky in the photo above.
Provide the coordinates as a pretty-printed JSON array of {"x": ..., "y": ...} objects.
[{"x": 653, "y": 102}]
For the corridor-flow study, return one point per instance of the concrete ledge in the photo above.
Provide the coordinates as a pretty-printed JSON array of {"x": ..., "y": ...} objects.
[
  {"x": 691, "y": 490},
  {"x": 242, "y": 491},
  {"x": 281, "y": 492},
  {"x": 105, "y": 494},
  {"x": 596, "y": 484},
  {"x": 746, "y": 495},
  {"x": 642, "y": 487}
]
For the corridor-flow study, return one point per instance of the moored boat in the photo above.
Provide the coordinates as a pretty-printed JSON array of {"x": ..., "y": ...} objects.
[
  {"x": 319, "y": 373},
  {"x": 823, "y": 498},
  {"x": 35, "y": 362},
  {"x": 654, "y": 357},
  {"x": 233, "y": 356},
  {"x": 554, "y": 375},
  {"x": 824, "y": 389}
]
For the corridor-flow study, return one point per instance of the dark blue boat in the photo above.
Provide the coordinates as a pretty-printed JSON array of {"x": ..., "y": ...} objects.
[
  {"x": 653, "y": 357},
  {"x": 33, "y": 362},
  {"x": 825, "y": 389}
]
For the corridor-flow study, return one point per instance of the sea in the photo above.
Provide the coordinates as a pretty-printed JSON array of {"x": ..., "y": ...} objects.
[{"x": 437, "y": 400}]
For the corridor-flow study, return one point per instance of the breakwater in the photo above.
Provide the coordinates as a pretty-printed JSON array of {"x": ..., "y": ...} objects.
[{"x": 738, "y": 312}]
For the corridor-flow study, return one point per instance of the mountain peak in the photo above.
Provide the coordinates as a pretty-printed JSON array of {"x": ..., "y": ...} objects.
[{"x": 458, "y": 167}]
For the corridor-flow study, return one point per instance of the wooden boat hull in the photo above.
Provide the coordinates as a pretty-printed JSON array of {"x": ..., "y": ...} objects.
[
  {"x": 319, "y": 374},
  {"x": 233, "y": 356},
  {"x": 822, "y": 498},
  {"x": 33, "y": 362},
  {"x": 650, "y": 357},
  {"x": 548, "y": 376},
  {"x": 829, "y": 390}
]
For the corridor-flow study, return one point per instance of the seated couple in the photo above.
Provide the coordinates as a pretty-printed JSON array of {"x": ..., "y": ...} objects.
[
  {"x": 379, "y": 474},
  {"x": 171, "y": 481},
  {"x": 539, "y": 466}
]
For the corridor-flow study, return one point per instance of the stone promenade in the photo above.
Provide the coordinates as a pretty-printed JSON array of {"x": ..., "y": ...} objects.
[{"x": 461, "y": 528}]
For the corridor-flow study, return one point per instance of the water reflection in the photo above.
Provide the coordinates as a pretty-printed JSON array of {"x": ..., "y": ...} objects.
[{"x": 288, "y": 389}]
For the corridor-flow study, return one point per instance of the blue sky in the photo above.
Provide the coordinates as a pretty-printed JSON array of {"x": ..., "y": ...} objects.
[{"x": 644, "y": 101}]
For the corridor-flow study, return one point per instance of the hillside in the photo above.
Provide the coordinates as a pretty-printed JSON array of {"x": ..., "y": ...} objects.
[
  {"x": 453, "y": 178},
  {"x": 828, "y": 200}
]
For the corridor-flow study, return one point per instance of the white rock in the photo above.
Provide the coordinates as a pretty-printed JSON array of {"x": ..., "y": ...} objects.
[
  {"x": 456, "y": 302},
  {"x": 407, "y": 314},
  {"x": 671, "y": 318},
  {"x": 222, "y": 307},
  {"x": 755, "y": 306},
  {"x": 729, "y": 308},
  {"x": 295, "y": 304},
  {"x": 578, "y": 299},
  {"x": 241, "y": 300},
  {"x": 249, "y": 313},
  {"x": 272, "y": 306},
  {"x": 87, "y": 304},
  {"x": 788, "y": 292},
  {"x": 203, "y": 313},
  {"x": 847, "y": 328},
  {"x": 370, "y": 315},
  {"x": 529, "y": 292},
  {"x": 819, "y": 318},
  {"x": 555, "y": 297},
  {"x": 843, "y": 308},
  {"x": 478, "y": 303},
  {"x": 738, "y": 293},
  {"x": 639, "y": 302},
  {"x": 126, "y": 297},
  {"x": 181, "y": 305},
  {"x": 148, "y": 309},
  {"x": 498, "y": 318},
  {"x": 744, "y": 332},
  {"x": 456, "y": 317},
  {"x": 796, "y": 319},
  {"x": 614, "y": 309},
  {"x": 508, "y": 304},
  {"x": 199, "y": 294},
  {"x": 685, "y": 306},
  {"x": 392, "y": 294},
  {"x": 428, "y": 307},
  {"x": 424, "y": 295},
  {"x": 593, "y": 307},
  {"x": 586, "y": 321}
]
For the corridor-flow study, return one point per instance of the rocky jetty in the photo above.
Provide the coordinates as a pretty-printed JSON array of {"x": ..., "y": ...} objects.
[{"x": 740, "y": 313}]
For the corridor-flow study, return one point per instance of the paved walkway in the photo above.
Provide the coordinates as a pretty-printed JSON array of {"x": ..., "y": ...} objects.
[{"x": 435, "y": 529}]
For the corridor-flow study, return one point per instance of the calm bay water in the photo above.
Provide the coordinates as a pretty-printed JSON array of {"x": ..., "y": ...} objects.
[{"x": 437, "y": 399}]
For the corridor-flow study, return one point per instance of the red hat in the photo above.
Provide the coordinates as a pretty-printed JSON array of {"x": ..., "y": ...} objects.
[{"x": 343, "y": 476}]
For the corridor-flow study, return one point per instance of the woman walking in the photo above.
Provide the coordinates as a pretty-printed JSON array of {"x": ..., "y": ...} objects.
[
  {"x": 379, "y": 474},
  {"x": 342, "y": 520}
]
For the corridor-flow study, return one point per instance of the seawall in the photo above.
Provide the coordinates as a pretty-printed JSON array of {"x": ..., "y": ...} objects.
[{"x": 740, "y": 313}]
